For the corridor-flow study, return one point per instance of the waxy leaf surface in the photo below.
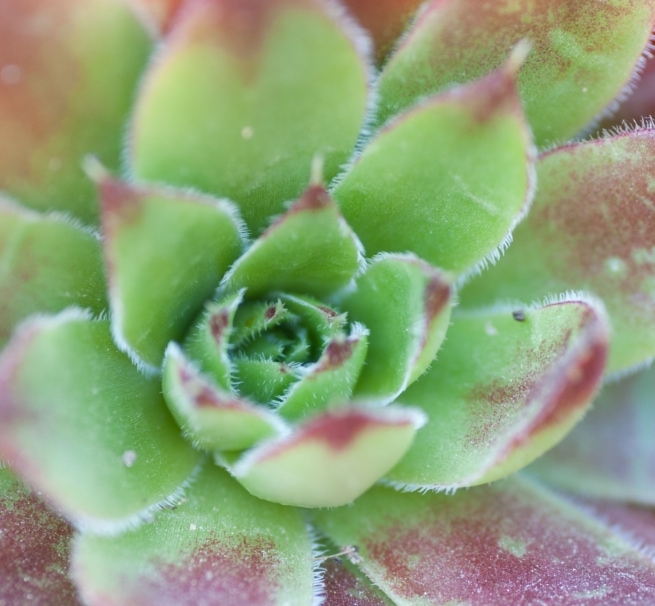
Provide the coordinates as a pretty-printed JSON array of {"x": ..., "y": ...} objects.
[
  {"x": 583, "y": 55},
  {"x": 309, "y": 250},
  {"x": 47, "y": 263},
  {"x": 82, "y": 425},
  {"x": 506, "y": 387},
  {"x": 612, "y": 453},
  {"x": 166, "y": 252},
  {"x": 243, "y": 96},
  {"x": 405, "y": 303},
  {"x": 448, "y": 180},
  {"x": 508, "y": 543},
  {"x": 331, "y": 459},
  {"x": 34, "y": 549},
  {"x": 592, "y": 227},
  {"x": 220, "y": 546},
  {"x": 56, "y": 105}
]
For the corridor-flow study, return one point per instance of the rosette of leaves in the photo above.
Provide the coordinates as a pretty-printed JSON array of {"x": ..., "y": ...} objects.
[{"x": 246, "y": 308}]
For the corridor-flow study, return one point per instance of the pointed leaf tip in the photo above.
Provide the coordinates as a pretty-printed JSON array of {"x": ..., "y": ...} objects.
[
  {"x": 166, "y": 251},
  {"x": 449, "y": 179}
]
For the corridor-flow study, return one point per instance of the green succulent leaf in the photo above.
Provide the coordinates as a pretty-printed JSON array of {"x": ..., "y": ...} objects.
[
  {"x": 405, "y": 303},
  {"x": 508, "y": 385},
  {"x": 166, "y": 252},
  {"x": 35, "y": 548},
  {"x": 269, "y": 85},
  {"x": 310, "y": 249},
  {"x": 47, "y": 263},
  {"x": 81, "y": 424},
  {"x": 220, "y": 546},
  {"x": 592, "y": 226},
  {"x": 583, "y": 56},
  {"x": 56, "y": 106},
  {"x": 623, "y": 416},
  {"x": 448, "y": 180},
  {"x": 210, "y": 417},
  {"x": 332, "y": 458},
  {"x": 507, "y": 543}
]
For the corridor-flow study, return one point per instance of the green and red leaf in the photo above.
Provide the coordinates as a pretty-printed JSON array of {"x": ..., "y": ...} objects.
[
  {"x": 583, "y": 55},
  {"x": 591, "y": 227},
  {"x": 405, "y": 303},
  {"x": 56, "y": 106},
  {"x": 34, "y": 549},
  {"x": 612, "y": 454},
  {"x": 310, "y": 250},
  {"x": 509, "y": 543},
  {"x": 166, "y": 252},
  {"x": 448, "y": 180},
  {"x": 219, "y": 546},
  {"x": 243, "y": 96},
  {"x": 332, "y": 458},
  {"x": 508, "y": 385}
]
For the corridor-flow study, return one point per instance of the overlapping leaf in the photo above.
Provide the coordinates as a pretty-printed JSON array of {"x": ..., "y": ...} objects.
[{"x": 592, "y": 226}]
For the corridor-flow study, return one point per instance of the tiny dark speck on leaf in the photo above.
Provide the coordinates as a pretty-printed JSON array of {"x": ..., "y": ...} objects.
[{"x": 518, "y": 315}]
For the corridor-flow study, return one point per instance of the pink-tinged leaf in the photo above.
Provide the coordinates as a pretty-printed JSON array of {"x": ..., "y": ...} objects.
[
  {"x": 405, "y": 303},
  {"x": 84, "y": 427},
  {"x": 592, "y": 227},
  {"x": 210, "y": 417},
  {"x": 310, "y": 250},
  {"x": 345, "y": 585},
  {"x": 166, "y": 252},
  {"x": 34, "y": 549},
  {"x": 331, "y": 459},
  {"x": 257, "y": 89},
  {"x": 157, "y": 15},
  {"x": 48, "y": 264},
  {"x": 449, "y": 179},
  {"x": 509, "y": 543},
  {"x": 583, "y": 55},
  {"x": 219, "y": 547},
  {"x": 56, "y": 105},
  {"x": 508, "y": 385},
  {"x": 612, "y": 453},
  {"x": 385, "y": 20}
]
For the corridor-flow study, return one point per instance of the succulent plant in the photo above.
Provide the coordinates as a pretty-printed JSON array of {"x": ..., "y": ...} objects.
[{"x": 278, "y": 277}]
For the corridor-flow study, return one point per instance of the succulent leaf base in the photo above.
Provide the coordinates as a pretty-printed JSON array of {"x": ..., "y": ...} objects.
[{"x": 304, "y": 302}]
